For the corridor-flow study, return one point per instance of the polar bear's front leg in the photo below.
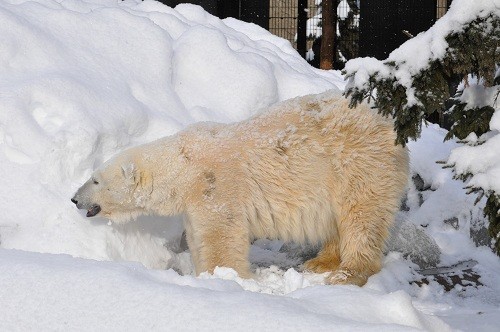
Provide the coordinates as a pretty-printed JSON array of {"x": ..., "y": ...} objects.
[
  {"x": 328, "y": 258},
  {"x": 218, "y": 238}
]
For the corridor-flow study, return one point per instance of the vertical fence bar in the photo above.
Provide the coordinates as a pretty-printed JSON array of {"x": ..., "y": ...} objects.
[{"x": 301, "y": 28}]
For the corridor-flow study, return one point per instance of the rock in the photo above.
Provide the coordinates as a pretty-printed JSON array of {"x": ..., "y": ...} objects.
[
  {"x": 414, "y": 244},
  {"x": 451, "y": 277}
]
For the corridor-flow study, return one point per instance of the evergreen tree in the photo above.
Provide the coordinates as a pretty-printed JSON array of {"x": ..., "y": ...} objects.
[{"x": 414, "y": 83}]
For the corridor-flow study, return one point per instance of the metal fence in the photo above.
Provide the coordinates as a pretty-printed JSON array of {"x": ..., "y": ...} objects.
[
  {"x": 285, "y": 21},
  {"x": 384, "y": 23},
  {"x": 283, "y": 17}
]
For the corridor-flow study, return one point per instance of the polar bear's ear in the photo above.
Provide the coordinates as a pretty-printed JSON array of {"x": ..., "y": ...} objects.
[{"x": 129, "y": 170}]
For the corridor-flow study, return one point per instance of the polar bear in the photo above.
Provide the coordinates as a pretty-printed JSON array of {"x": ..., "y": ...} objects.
[{"x": 307, "y": 170}]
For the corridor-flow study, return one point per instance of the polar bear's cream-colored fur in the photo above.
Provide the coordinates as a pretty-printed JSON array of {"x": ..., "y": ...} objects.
[{"x": 308, "y": 169}]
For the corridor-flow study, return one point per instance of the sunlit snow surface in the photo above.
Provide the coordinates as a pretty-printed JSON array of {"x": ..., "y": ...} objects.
[{"x": 81, "y": 81}]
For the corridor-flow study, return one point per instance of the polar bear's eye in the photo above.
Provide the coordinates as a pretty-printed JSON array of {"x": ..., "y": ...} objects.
[{"x": 95, "y": 181}]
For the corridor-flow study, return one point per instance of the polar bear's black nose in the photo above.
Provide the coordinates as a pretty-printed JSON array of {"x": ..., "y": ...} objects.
[{"x": 74, "y": 201}]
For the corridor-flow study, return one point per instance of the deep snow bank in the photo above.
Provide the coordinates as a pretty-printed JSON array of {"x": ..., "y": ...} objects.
[
  {"x": 45, "y": 293},
  {"x": 81, "y": 81}
]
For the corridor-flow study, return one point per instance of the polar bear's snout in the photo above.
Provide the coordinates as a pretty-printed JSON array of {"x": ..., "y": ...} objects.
[
  {"x": 83, "y": 201},
  {"x": 77, "y": 201}
]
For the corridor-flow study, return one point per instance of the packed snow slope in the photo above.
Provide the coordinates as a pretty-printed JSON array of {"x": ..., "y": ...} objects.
[{"x": 83, "y": 80}]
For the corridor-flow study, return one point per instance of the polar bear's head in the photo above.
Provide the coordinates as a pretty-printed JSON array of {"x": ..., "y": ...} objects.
[{"x": 118, "y": 191}]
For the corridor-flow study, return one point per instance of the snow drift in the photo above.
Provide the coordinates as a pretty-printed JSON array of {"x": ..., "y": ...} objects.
[{"x": 81, "y": 81}]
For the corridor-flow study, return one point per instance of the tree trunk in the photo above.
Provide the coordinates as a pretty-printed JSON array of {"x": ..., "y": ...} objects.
[{"x": 329, "y": 25}]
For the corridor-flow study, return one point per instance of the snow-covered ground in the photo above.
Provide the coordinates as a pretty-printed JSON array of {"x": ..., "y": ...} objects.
[{"x": 82, "y": 80}]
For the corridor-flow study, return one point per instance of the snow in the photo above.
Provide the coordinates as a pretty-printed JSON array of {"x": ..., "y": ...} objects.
[
  {"x": 129, "y": 297},
  {"x": 83, "y": 80},
  {"x": 481, "y": 161},
  {"x": 444, "y": 198}
]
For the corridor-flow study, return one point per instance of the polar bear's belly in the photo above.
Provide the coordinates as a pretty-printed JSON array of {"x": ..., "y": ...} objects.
[{"x": 310, "y": 221}]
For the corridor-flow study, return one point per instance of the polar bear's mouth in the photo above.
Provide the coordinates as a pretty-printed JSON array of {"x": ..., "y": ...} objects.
[{"x": 94, "y": 209}]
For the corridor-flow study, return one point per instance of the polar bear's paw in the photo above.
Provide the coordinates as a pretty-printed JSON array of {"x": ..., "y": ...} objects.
[
  {"x": 321, "y": 264},
  {"x": 346, "y": 277}
]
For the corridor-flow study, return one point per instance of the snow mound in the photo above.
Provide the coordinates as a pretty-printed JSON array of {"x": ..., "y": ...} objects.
[
  {"x": 129, "y": 297},
  {"x": 81, "y": 81}
]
